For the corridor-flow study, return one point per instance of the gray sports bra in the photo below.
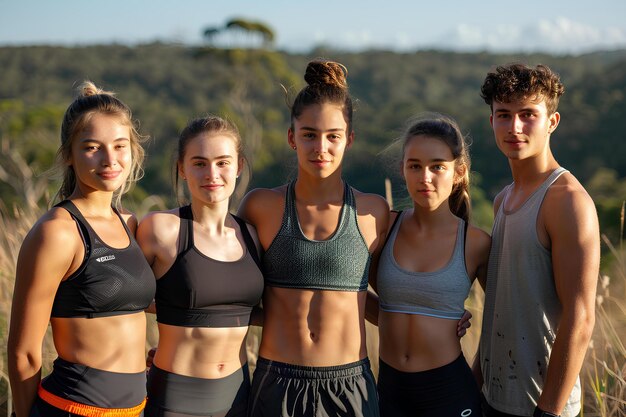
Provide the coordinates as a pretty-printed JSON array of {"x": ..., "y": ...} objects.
[{"x": 439, "y": 293}]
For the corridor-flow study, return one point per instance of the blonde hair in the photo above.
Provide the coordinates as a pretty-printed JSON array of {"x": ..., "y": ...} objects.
[{"x": 92, "y": 100}]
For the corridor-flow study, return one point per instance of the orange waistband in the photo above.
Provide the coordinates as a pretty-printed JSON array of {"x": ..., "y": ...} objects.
[{"x": 88, "y": 410}]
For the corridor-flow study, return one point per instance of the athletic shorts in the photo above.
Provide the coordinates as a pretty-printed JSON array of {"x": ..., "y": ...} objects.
[
  {"x": 88, "y": 390},
  {"x": 284, "y": 390},
  {"x": 174, "y": 395},
  {"x": 449, "y": 391}
]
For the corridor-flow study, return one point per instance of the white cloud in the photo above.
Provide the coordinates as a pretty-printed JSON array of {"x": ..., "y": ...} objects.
[{"x": 559, "y": 35}]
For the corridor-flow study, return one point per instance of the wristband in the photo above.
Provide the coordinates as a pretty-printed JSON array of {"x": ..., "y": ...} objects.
[{"x": 540, "y": 413}]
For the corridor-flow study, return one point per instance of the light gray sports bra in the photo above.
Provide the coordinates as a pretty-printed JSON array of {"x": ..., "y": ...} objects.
[{"x": 440, "y": 293}]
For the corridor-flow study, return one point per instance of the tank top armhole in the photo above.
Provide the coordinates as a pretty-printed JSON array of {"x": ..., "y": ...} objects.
[
  {"x": 465, "y": 228},
  {"x": 124, "y": 224},
  {"x": 393, "y": 226},
  {"x": 290, "y": 214},
  {"x": 83, "y": 232}
]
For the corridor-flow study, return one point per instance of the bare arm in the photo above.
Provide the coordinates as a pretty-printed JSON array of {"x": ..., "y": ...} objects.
[
  {"x": 48, "y": 254},
  {"x": 572, "y": 226},
  {"x": 480, "y": 245},
  {"x": 146, "y": 240},
  {"x": 371, "y": 307},
  {"x": 256, "y": 317},
  {"x": 157, "y": 236},
  {"x": 374, "y": 224}
]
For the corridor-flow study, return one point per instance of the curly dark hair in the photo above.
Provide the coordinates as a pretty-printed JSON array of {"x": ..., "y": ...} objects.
[{"x": 519, "y": 82}]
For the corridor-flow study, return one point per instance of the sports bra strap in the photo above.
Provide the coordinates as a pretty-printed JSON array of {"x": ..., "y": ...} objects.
[
  {"x": 185, "y": 232},
  {"x": 465, "y": 227},
  {"x": 393, "y": 225},
  {"x": 247, "y": 238},
  {"x": 80, "y": 220}
]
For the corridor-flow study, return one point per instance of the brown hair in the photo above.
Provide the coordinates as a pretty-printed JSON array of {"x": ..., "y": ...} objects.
[
  {"x": 518, "y": 82},
  {"x": 445, "y": 129},
  {"x": 326, "y": 83},
  {"x": 92, "y": 100},
  {"x": 216, "y": 126}
]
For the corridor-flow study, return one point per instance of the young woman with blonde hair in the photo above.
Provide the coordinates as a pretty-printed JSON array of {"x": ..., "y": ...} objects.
[{"x": 80, "y": 269}]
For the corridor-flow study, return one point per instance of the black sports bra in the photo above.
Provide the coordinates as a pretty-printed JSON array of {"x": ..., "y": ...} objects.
[
  {"x": 198, "y": 291},
  {"x": 109, "y": 281}
]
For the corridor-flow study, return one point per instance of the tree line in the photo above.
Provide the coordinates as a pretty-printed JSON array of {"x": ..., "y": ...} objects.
[{"x": 166, "y": 85}]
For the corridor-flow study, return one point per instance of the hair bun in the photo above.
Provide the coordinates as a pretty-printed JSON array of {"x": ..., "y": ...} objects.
[
  {"x": 88, "y": 88},
  {"x": 322, "y": 72}
]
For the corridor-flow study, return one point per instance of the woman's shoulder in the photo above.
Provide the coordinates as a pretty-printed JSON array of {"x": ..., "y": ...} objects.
[
  {"x": 478, "y": 241},
  {"x": 56, "y": 228},
  {"x": 266, "y": 194},
  {"x": 371, "y": 203},
  {"x": 129, "y": 218},
  {"x": 261, "y": 201},
  {"x": 371, "y": 200},
  {"x": 162, "y": 226}
]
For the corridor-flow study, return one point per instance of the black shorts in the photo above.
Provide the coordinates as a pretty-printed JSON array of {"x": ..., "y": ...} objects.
[
  {"x": 446, "y": 391},
  {"x": 89, "y": 386},
  {"x": 173, "y": 395},
  {"x": 284, "y": 390}
]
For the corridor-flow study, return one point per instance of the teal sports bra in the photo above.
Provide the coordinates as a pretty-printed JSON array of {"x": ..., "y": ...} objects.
[{"x": 339, "y": 263}]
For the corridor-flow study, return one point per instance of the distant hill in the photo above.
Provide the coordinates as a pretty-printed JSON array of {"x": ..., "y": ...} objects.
[{"x": 166, "y": 85}]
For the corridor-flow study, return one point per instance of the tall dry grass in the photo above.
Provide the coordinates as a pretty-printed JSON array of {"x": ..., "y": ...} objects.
[
  {"x": 604, "y": 371},
  {"x": 15, "y": 222}
]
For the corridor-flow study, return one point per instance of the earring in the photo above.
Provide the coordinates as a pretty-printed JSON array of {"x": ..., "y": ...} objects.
[{"x": 294, "y": 147}]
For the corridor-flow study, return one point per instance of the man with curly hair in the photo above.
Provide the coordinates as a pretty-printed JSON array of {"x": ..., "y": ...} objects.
[{"x": 544, "y": 262}]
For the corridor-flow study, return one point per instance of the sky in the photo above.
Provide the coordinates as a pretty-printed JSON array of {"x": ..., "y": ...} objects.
[{"x": 552, "y": 26}]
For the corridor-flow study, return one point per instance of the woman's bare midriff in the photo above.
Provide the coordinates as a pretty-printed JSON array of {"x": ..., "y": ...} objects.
[
  {"x": 414, "y": 343},
  {"x": 114, "y": 343},
  {"x": 313, "y": 327},
  {"x": 201, "y": 352}
]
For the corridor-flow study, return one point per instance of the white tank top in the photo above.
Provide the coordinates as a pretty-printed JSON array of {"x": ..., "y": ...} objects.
[{"x": 521, "y": 311}]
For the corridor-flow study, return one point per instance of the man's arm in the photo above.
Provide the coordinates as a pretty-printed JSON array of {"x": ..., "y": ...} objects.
[{"x": 571, "y": 223}]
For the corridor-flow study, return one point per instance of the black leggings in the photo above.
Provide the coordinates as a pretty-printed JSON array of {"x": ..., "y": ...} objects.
[
  {"x": 448, "y": 391},
  {"x": 173, "y": 395},
  {"x": 84, "y": 385}
]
